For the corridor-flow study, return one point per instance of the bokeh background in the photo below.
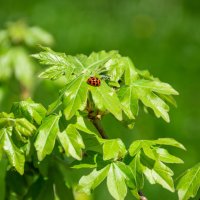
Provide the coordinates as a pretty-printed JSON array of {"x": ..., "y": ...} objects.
[{"x": 162, "y": 36}]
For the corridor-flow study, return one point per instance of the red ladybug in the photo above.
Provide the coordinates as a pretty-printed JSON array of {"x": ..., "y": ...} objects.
[{"x": 94, "y": 81}]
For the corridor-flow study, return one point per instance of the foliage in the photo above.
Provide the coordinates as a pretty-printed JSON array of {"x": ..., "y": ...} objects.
[
  {"x": 16, "y": 41},
  {"x": 189, "y": 183},
  {"x": 68, "y": 136}
]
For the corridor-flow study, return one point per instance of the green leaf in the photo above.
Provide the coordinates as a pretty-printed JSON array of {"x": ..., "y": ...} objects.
[
  {"x": 23, "y": 67},
  {"x": 75, "y": 97},
  {"x": 36, "y": 35},
  {"x": 137, "y": 171},
  {"x": 160, "y": 174},
  {"x": 91, "y": 181},
  {"x": 32, "y": 111},
  {"x": 53, "y": 106},
  {"x": 116, "y": 182},
  {"x": 6, "y": 120},
  {"x": 129, "y": 175},
  {"x": 149, "y": 99},
  {"x": 24, "y": 127},
  {"x": 50, "y": 57},
  {"x": 169, "y": 99},
  {"x": 155, "y": 86},
  {"x": 97, "y": 60},
  {"x": 6, "y": 65},
  {"x": 113, "y": 149},
  {"x": 105, "y": 98},
  {"x": 46, "y": 137},
  {"x": 72, "y": 142},
  {"x": 135, "y": 147},
  {"x": 129, "y": 101},
  {"x": 189, "y": 183},
  {"x": 119, "y": 66},
  {"x": 170, "y": 142},
  {"x": 56, "y": 72},
  {"x": 85, "y": 125},
  {"x": 166, "y": 157},
  {"x": 15, "y": 155}
]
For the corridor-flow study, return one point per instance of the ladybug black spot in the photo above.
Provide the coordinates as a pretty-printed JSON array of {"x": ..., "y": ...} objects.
[{"x": 94, "y": 81}]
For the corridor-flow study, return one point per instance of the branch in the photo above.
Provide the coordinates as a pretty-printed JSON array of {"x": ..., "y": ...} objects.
[
  {"x": 98, "y": 126},
  {"x": 95, "y": 117}
]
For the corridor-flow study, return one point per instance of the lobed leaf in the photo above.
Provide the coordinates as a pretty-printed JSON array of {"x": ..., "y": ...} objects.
[
  {"x": 129, "y": 101},
  {"x": 46, "y": 137},
  {"x": 24, "y": 127},
  {"x": 113, "y": 149},
  {"x": 116, "y": 182},
  {"x": 72, "y": 142},
  {"x": 151, "y": 100},
  {"x": 32, "y": 111},
  {"x": 166, "y": 157},
  {"x": 105, "y": 98},
  {"x": 75, "y": 97},
  {"x": 91, "y": 181},
  {"x": 155, "y": 86},
  {"x": 50, "y": 57},
  {"x": 189, "y": 183},
  {"x": 14, "y": 154},
  {"x": 137, "y": 171},
  {"x": 170, "y": 142},
  {"x": 160, "y": 174}
]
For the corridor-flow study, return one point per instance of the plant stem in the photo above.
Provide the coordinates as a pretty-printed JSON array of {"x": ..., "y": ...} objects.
[
  {"x": 98, "y": 126},
  {"x": 95, "y": 118},
  {"x": 142, "y": 197}
]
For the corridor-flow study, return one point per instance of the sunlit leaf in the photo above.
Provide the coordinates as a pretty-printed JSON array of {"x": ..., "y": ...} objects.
[
  {"x": 46, "y": 137},
  {"x": 113, "y": 149},
  {"x": 135, "y": 147},
  {"x": 160, "y": 174},
  {"x": 105, "y": 98},
  {"x": 85, "y": 125},
  {"x": 137, "y": 171},
  {"x": 56, "y": 72},
  {"x": 129, "y": 101},
  {"x": 24, "y": 127},
  {"x": 50, "y": 57},
  {"x": 116, "y": 182},
  {"x": 169, "y": 141},
  {"x": 166, "y": 157},
  {"x": 72, "y": 142},
  {"x": 151, "y": 100},
  {"x": 155, "y": 86},
  {"x": 189, "y": 183},
  {"x": 32, "y": 111},
  {"x": 14, "y": 154},
  {"x": 96, "y": 60},
  {"x": 90, "y": 182},
  {"x": 75, "y": 97}
]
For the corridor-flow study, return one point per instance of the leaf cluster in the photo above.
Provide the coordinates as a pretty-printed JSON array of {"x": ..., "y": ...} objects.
[{"x": 68, "y": 136}]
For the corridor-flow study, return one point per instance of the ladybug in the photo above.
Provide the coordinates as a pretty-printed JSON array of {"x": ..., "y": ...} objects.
[{"x": 94, "y": 81}]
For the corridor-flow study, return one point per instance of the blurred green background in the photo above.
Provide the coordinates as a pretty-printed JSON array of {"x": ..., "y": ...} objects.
[{"x": 162, "y": 36}]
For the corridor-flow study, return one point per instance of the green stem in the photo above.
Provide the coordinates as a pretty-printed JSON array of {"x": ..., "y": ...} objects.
[{"x": 100, "y": 129}]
